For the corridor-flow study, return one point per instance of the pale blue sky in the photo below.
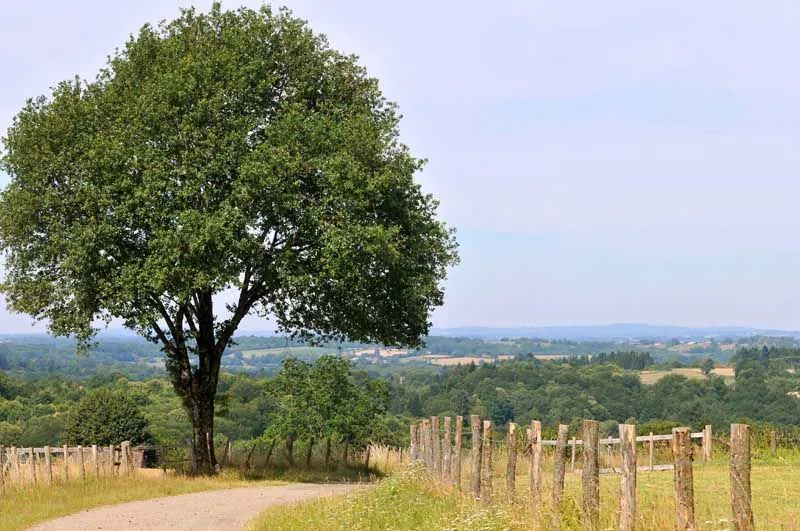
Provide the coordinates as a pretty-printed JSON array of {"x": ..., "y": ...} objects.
[{"x": 616, "y": 161}]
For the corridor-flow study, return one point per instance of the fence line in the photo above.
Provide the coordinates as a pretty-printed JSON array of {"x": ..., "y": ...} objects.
[
  {"x": 33, "y": 465},
  {"x": 682, "y": 450}
]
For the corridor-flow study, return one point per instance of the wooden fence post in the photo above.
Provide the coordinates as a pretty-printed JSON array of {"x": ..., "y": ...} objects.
[
  {"x": 48, "y": 465},
  {"x": 412, "y": 435},
  {"x": 741, "y": 501},
  {"x": 558, "y": 464},
  {"x": 486, "y": 462},
  {"x": 572, "y": 457},
  {"x": 32, "y": 465},
  {"x": 707, "y": 443},
  {"x": 81, "y": 463},
  {"x": 16, "y": 465},
  {"x": 773, "y": 443},
  {"x": 684, "y": 483},
  {"x": 627, "y": 497},
  {"x": 591, "y": 474},
  {"x": 427, "y": 451},
  {"x": 446, "y": 450},
  {"x": 652, "y": 448},
  {"x": 535, "y": 471},
  {"x": 475, "y": 483},
  {"x": 95, "y": 461},
  {"x": 2, "y": 467},
  {"x": 66, "y": 463},
  {"x": 511, "y": 462},
  {"x": 437, "y": 446},
  {"x": 457, "y": 452},
  {"x": 111, "y": 460}
]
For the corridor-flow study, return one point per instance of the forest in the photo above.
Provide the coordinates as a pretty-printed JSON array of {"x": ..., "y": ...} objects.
[{"x": 331, "y": 399}]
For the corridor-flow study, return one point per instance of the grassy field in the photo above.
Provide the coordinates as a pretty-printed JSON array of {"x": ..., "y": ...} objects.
[
  {"x": 651, "y": 377},
  {"x": 21, "y": 507},
  {"x": 409, "y": 500}
]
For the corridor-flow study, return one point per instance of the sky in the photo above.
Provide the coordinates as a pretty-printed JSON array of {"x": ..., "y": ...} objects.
[{"x": 615, "y": 161}]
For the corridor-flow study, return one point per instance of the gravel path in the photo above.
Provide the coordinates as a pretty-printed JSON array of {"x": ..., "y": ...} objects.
[{"x": 212, "y": 510}]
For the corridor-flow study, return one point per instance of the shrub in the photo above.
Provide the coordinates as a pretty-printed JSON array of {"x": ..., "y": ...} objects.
[{"x": 106, "y": 417}]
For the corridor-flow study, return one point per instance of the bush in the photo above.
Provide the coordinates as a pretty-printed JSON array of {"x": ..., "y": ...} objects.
[{"x": 104, "y": 417}]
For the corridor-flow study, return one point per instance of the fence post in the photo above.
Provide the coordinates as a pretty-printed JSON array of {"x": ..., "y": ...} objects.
[
  {"x": 486, "y": 462},
  {"x": 707, "y": 443},
  {"x": 16, "y": 465},
  {"x": 2, "y": 467},
  {"x": 591, "y": 474},
  {"x": 652, "y": 448},
  {"x": 95, "y": 461},
  {"x": 66, "y": 463},
  {"x": 412, "y": 440},
  {"x": 446, "y": 450},
  {"x": 437, "y": 446},
  {"x": 81, "y": 463},
  {"x": 427, "y": 451},
  {"x": 627, "y": 498},
  {"x": 475, "y": 424},
  {"x": 457, "y": 452},
  {"x": 535, "y": 471},
  {"x": 773, "y": 443},
  {"x": 111, "y": 459},
  {"x": 32, "y": 465},
  {"x": 125, "y": 457},
  {"x": 741, "y": 501},
  {"x": 572, "y": 457},
  {"x": 511, "y": 462},
  {"x": 558, "y": 464},
  {"x": 48, "y": 465},
  {"x": 684, "y": 482}
]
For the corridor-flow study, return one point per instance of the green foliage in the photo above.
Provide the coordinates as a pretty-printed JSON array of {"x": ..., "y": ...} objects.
[{"x": 106, "y": 417}]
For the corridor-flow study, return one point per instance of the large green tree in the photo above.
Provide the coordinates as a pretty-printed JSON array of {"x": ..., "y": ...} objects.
[{"x": 231, "y": 150}]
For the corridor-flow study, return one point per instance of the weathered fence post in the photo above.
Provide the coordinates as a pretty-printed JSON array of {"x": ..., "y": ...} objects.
[
  {"x": 558, "y": 464},
  {"x": 475, "y": 482},
  {"x": 32, "y": 465},
  {"x": 707, "y": 443},
  {"x": 125, "y": 457},
  {"x": 446, "y": 450},
  {"x": 741, "y": 500},
  {"x": 426, "y": 444},
  {"x": 111, "y": 460},
  {"x": 48, "y": 465},
  {"x": 511, "y": 462},
  {"x": 457, "y": 452},
  {"x": 66, "y": 463},
  {"x": 535, "y": 471},
  {"x": 486, "y": 462},
  {"x": 437, "y": 446},
  {"x": 16, "y": 465},
  {"x": 591, "y": 474},
  {"x": 95, "y": 461},
  {"x": 2, "y": 467},
  {"x": 652, "y": 448},
  {"x": 773, "y": 443},
  {"x": 412, "y": 438},
  {"x": 684, "y": 482},
  {"x": 572, "y": 457},
  {"x": 627, "y": 497},
  {"x": 81, "y": 463}
]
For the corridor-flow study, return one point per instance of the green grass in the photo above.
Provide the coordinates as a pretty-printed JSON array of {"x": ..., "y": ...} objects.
[
  {"x": 21, "y": 507},
  {"x": 410, "y": 500}
]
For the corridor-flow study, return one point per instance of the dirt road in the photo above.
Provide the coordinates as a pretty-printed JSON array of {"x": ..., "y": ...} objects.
[{"x": 218, "y": 510}]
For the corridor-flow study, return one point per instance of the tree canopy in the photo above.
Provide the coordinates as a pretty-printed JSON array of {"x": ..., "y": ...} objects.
[{"x": 229, "y": 150}]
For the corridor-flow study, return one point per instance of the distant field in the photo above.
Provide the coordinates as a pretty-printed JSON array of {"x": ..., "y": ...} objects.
[
  {"x": 651, "y": 377},
  {"x": 247, "y": 354}
]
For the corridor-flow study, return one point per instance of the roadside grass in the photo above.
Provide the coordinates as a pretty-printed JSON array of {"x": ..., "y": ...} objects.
[
  {"x": 411, "y": 500},
  {"x": 23, "y": 506},
  {"x": 26, "y": 505}
]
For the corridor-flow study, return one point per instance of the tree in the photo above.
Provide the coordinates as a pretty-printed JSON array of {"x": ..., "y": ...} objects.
[
  {"x": 708, "y": 366},
  {"x": 227, "y": 151},
  {"x": 106, "y": 417}
]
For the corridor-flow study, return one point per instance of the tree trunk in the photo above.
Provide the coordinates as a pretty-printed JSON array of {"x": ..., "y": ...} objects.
[
  {"x": 290, "y": 449},
  {"x": 309, "y": 450},
  {"x": 269, "y": 453},
  {"x": 344, "y": 454},
  {"x": 327, "y": 451},
  {"x": 202, "y": 411}
]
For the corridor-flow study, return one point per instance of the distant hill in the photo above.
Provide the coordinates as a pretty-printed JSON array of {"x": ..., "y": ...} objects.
[{"x": 610, "y": 332}]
